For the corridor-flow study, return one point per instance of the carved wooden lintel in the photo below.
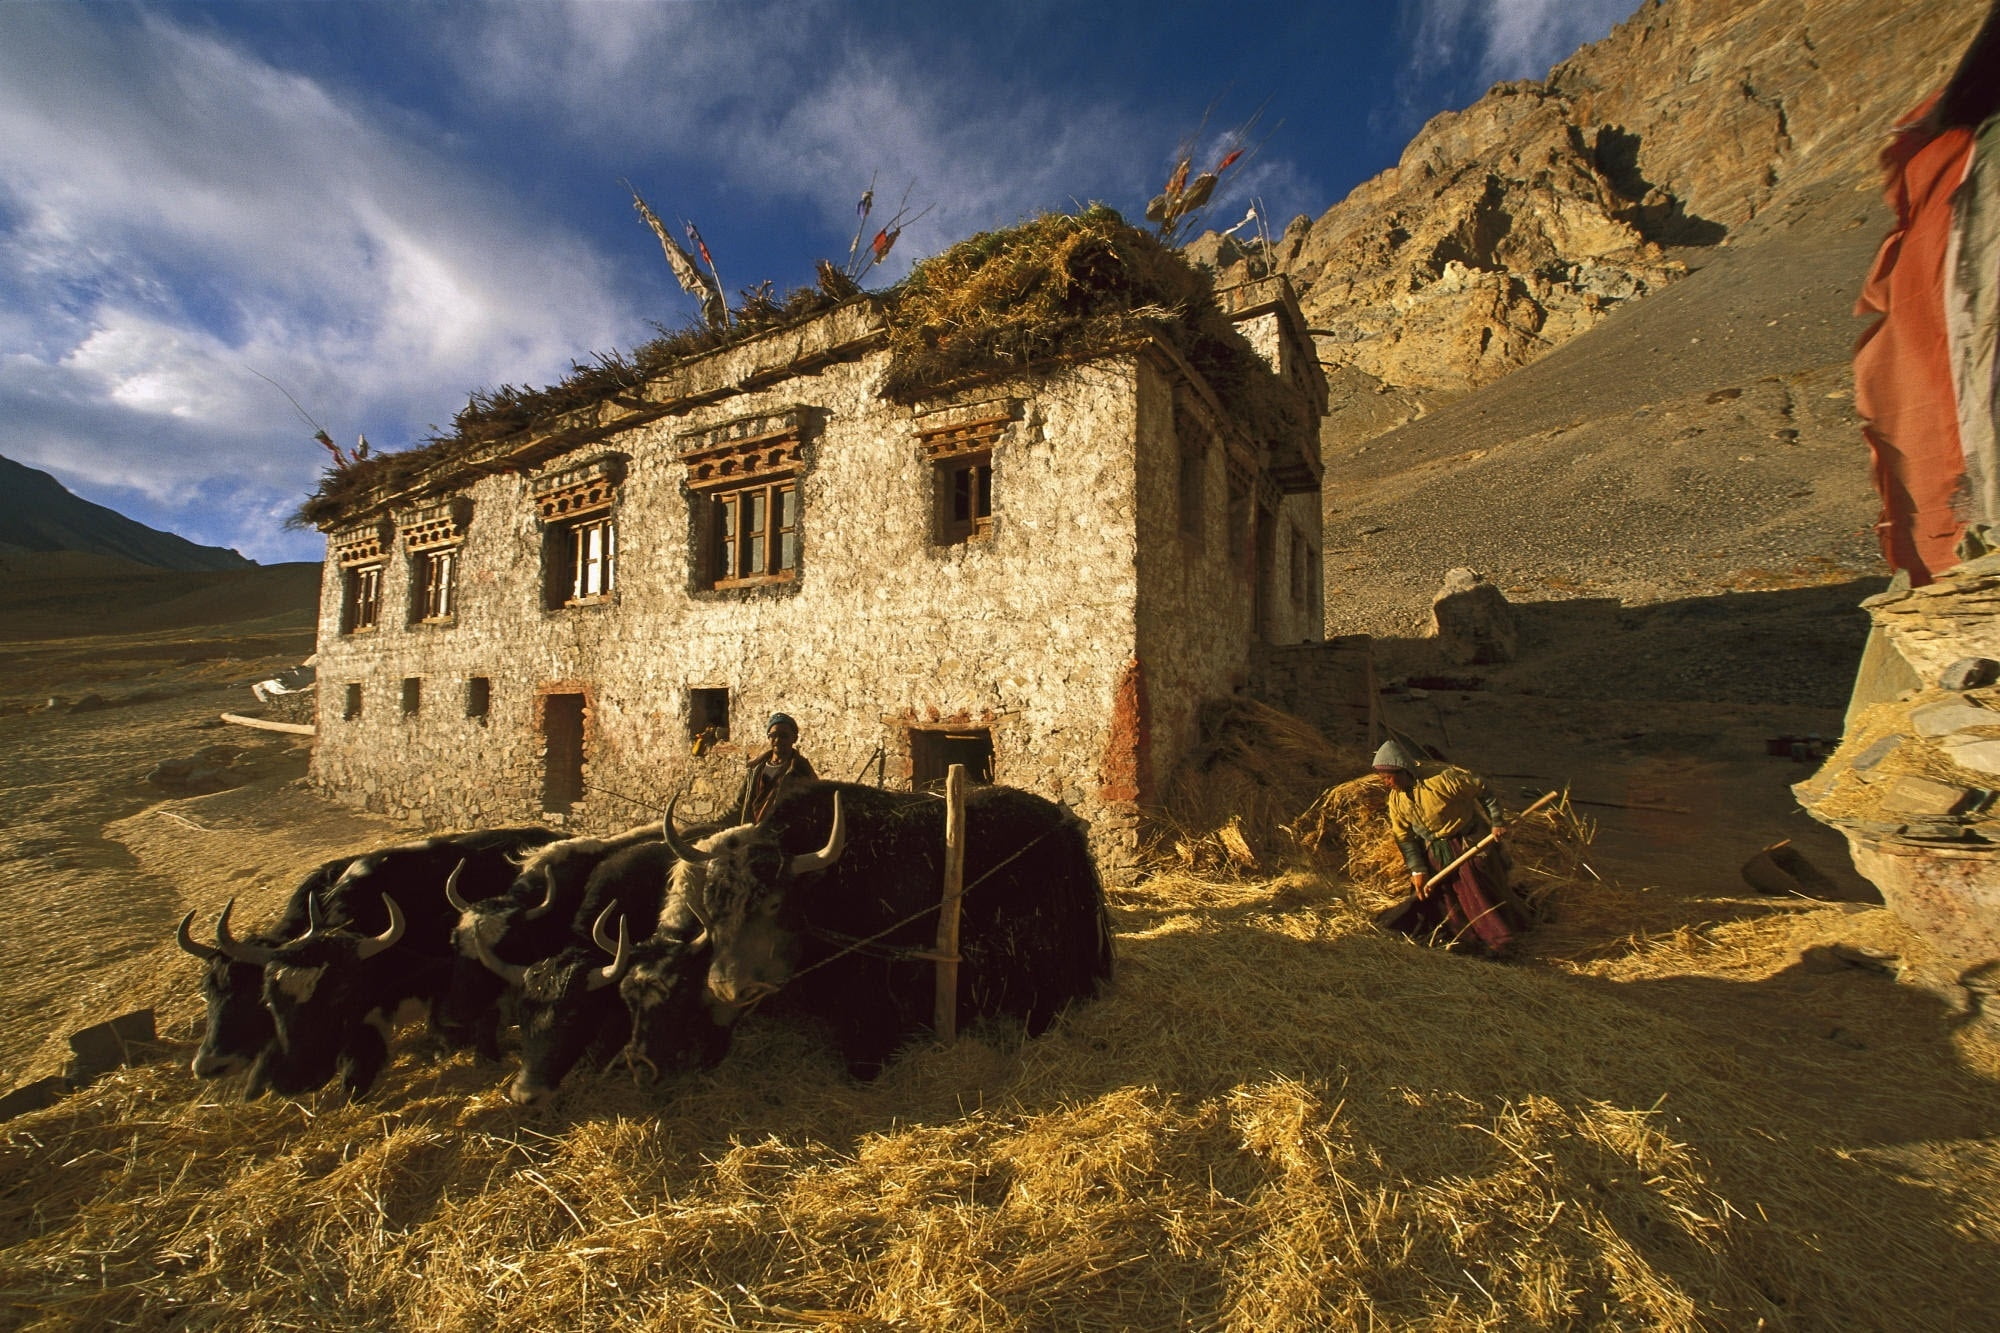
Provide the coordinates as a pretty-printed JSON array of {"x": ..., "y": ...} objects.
[
  {"x": 583, "y": 488},
  {"x": 764, "y": 447}
]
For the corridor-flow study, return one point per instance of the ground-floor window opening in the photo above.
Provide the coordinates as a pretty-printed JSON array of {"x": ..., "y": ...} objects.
[
  {"x": 350, "y": 703},
  {"x": 413, "y": 695},
  {"x": 479, "y": 697},
  {"x": 708, "y": 716},
  {"x": 932, "y": 753},
  {"x": 562, "y": 735}
]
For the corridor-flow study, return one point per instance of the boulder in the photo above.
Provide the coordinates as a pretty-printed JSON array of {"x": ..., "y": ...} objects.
[{"x": 1472, "y": 620}]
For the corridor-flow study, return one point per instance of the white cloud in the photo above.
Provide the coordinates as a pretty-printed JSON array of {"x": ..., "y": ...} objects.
[
  {"x": 1510, "y": 39},
  {"x": 796, "y": 102},
  {"x": 175, "y": 212}
]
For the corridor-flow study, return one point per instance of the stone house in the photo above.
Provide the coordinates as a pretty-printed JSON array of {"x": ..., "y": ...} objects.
[{"x": 1041, "y": 576}]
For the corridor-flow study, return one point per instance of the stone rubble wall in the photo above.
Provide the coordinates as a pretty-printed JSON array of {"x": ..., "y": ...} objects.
[{"x": 1027, "y": 632}]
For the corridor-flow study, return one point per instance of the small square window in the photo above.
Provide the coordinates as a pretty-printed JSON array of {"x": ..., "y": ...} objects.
[
  {"x": 964, "y": 498},
  {"x": 350, "y": 706},
  {"x": 413, "y": 695},
  {"x": 479, "y": 697},
  {"x": 708, "y": 715}
]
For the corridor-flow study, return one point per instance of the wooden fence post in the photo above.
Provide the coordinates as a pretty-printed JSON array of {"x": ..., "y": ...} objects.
[{"x": 946, "y": 1015}]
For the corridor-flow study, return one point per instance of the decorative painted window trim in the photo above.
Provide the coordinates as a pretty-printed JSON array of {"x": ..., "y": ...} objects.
[
  {"x": 366, "y": 545},
  {"x": 965, "y": 428},
  {"x": 585, "y": 488},
  {"x": 435, "y": 526},
  {"x": 767, "y": 447}
]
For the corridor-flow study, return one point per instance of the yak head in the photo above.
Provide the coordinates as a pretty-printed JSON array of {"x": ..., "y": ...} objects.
[
  {"x": 564, "y": 1002},
  {"x": 491, "y": 926},
  {"x": 239, "y": 1026},
  {"x": 313, "y": 989},
  {"x": 741, "y": 885},
  {"x": 675, "y": 1024}
]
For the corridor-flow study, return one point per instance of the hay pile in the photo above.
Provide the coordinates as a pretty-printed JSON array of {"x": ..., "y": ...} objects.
[
  {"x": 1347, "y": 831},
  {"x": 1279, "y": 1120},
  {"x": 1229, "y": 802},
  {"x": 1066, "y": 286}
]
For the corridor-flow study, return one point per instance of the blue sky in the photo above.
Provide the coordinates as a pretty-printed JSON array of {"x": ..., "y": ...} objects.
[{"x": 384, "y": 206}]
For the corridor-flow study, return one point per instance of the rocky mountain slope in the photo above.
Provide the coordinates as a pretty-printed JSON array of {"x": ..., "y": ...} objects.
[
  {"x": 1592, "y": 336},
  {"x": 1516, "y": 224},
  {"x": 38, "y": 514}
]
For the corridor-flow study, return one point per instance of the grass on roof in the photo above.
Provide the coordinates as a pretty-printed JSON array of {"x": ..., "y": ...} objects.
[{"x": 1058, "y": 287}]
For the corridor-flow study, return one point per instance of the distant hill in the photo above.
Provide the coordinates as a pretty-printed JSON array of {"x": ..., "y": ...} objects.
[{"x": 37, "y": 514}]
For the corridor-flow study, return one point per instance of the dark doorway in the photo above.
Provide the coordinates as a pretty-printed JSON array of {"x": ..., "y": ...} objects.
[
  {"x": 562, "y": 733},
  {"x": 932, "y": 753}
]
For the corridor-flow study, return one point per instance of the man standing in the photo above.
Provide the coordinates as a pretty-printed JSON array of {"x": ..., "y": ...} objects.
[
  {"x": 778, "y": 770},
  {"x": 1436, "y": 811}
]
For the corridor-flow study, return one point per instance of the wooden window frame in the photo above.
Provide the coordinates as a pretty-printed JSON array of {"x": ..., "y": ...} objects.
[
  {"x": 434, "y": 586},
  {"x": 964, "y": 485},
  {"x": 578, "y": 576},
  {"x": 361, "y": 603},
  {"x": 741, "y": 550}
]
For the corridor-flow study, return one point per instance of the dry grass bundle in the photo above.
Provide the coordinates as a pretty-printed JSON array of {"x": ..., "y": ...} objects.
[
  {"x": 1347, "y": 831},
  {"x": 492, "y": 415},
  {"x": 1255, "y": 768},
  {"x": 1279, "y": 1120},
  {"x": 1054, "y": 288}
]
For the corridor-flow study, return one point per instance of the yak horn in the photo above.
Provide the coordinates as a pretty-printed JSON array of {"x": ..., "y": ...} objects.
[
  {"x": 548, "y": 902},
  {"x": 511, "y": 973},
  {"x": 207, "y": 953},
  {"x": 836, "y": 843},
  {"x": 387, "y": 939},
  {"x": 608, "y": 975},
  {"x": 678, "y": 845},
  {"x": 458, "y": 904},
  {"x": 255, "y": 954}
]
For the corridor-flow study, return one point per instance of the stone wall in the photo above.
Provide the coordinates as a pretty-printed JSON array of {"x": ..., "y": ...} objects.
[
  {"x": 1026, "y": 632},
  {"x": 1080, "y": 626}
]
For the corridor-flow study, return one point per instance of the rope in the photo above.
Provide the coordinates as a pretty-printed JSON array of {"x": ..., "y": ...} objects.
[{"x": 911, "y": 955}]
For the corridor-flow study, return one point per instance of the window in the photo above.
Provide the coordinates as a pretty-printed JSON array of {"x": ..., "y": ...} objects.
[
  {"x": 478, "y": 697},
  {"x": 752, "y": 534},
  {"x": 708, "y": 715},
  {"x": 932, "y": 753},
  {"x": 434, "y": 579},
  {"x": 582, "y": 560},
  {"x": 351, "y": 703},
  {"x": 413, "y": 695},
  {"x": 363, "y": 609},
  {"x": 965, "y": 498}
]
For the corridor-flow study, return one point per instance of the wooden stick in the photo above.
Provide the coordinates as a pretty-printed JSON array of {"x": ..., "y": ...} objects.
[
  {"x": 265, "y": 724},
  {"x": 946, "y": 1014},
  {"x": 1482, "y": 844}
]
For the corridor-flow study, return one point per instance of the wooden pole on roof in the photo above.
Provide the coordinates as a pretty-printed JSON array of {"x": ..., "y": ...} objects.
[{"x": 946, "y": 1015}]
